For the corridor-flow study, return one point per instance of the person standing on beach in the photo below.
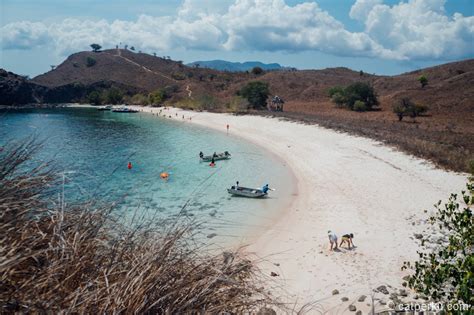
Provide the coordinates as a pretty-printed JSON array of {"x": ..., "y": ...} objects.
[{"x": 332, "y": 240}]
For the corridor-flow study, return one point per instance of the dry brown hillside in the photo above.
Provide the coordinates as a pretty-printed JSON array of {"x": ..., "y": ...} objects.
[{"x": 445, "y": 135}]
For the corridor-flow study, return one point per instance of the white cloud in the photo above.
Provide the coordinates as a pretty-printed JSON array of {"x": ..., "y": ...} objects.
[
  {"x": 361, "y": 9},
  {"x": 420, "y": 29},
  {"x": 409, "y": 30}
]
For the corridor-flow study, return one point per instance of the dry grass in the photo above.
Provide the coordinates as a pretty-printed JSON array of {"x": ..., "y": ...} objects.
[{"x": 79, "y": 259}]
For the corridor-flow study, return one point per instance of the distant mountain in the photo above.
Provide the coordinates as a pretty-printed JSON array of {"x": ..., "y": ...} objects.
[{"x": 223, "y": 65}]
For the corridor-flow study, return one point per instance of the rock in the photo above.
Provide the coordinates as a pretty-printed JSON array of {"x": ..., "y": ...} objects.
[
  {"x": 362, "y": 298},
  {"x": 213, "y": 213},
  {"x": 334, "y": 292},
  {"x": 344, "y": 299},
  {"x": 403, "y": 292},
  {"x": 393, "y": 296},
  {"x": 382, "y": 289},
  {"x": 406, "y": 278},
  {"x": 352, "y": 308},
  {"x": 277, "y": 264},
  {"x": 383, "y": 302},
  {"x": 416, "y": 297},
  {"x": 266, "y": 311},
  {"x": 418, "y": 236},
  {"x": 359, "y": 312},
  {"x": 212, "y": 235},
  {"x": 273, "y": 274}
]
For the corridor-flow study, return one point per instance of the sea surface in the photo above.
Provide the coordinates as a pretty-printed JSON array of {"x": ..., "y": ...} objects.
[{"x": 92, "y": 149}]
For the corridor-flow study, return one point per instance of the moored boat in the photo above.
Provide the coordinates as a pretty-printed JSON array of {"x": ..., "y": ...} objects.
[
  {"x": 124, "y": 110},
  {"x": 108, "y": 107},
  {"x": 246, "y": 192},
  {"x": 217, "y": 157}
]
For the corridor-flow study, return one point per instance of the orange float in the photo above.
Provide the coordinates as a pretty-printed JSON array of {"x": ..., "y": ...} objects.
[{"x": 164, "y": 175}]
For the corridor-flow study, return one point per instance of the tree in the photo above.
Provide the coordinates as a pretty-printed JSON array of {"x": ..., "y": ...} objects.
[
  {"x": 445, "y": 273},
  {"x": 53, "y": 67},
  {"x": 132, "y": 48},
  {"x": 257, "y": 70},
  {"x": 95, "y": 47},
  {"x": 157, "y": 97},
  {"x": 113, "y": 96},
  {"x": 405, "y": 107},
  {"x": 94, "y": 98},
  {"x": 256, "y": 93},
  {"x": 348, "y": 96},
  {"x": 423, "y": 80},
  {"x": 154, "y": 54}
]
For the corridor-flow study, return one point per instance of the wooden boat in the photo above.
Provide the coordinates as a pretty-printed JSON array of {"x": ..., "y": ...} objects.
[
  {"x": 221, "y": 156},
  {"x": 246, "y": 192},
  {"x": 108, "y": 107},
  {"x": 124, "y": 110}
]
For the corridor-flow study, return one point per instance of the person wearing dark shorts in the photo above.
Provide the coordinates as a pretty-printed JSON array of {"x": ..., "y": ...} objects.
[{"x": 347, "y": 238}]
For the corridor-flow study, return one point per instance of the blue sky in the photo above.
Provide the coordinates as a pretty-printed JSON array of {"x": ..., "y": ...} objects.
[{"x": 377, "y": 36}]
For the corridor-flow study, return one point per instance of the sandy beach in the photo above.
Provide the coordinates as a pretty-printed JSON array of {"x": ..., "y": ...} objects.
[{"x": 345, "y": 184}]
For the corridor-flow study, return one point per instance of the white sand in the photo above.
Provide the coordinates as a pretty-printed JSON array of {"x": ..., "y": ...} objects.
[{"x": 346, "y": 184}]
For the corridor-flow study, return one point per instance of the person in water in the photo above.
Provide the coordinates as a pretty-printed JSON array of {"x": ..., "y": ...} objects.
[
  {"x": 265, "y": 188},
  {"x": 201, "y": 155},
  {"x": 213, "y": 162},
  {"x": 347, "y": 238},
  {"x": 332, "y": 240}
]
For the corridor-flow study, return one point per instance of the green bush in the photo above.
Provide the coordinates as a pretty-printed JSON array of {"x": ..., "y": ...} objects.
[
  {"x": 90, "y": 61},
  {"x": 405, "y": 107},
  {"x": 256, "y": 93},
  {"x": 423, "y": 80},
  {"x": 335, "y": 90},
  {"x": 94, "y": 98},
  {"x": 238, "y": 105},
  {"x": 446, "y": 274},
  {"x": 178, "y": 76},
  {"x": 157, "y": 97},
  {"x": 113, "y": 96},
  {"x": 257, "y": 70},
  {"x": 348, "y": 96},
  {"x": 360, "y": 106},
  {"x": 139, "y": 99}
]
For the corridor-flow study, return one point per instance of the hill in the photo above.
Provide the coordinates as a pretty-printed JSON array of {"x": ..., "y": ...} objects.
[
  {"x": 223, "y": 65},
  {"x": 444, "y": 135}
]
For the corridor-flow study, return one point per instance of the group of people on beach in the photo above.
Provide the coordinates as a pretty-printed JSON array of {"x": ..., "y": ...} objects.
[{"x": 346, "y": 239}]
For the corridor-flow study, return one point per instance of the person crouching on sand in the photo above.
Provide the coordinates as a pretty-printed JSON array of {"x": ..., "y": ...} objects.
[
  {"x": 347, "y": 238},
  {"x": 332, "y": 240}
]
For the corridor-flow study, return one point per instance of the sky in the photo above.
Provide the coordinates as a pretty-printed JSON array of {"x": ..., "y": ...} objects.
[{"x": 376, "y": 36}]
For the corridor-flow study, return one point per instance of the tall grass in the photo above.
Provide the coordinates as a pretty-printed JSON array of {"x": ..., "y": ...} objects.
[{"x": 80, "y": 259}]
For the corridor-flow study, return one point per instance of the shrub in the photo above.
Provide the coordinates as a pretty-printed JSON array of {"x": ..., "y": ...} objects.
[
  {"x": 256, "y": 93},
  {"x": 90, "y": 61},
  {"x": 446, "y": 273},
  {"x": 178, "y": 76},
  {"x": 423, "y": 80},
  {"x": 94, "y": 98},
  {"x": 334, "y": 90},
  {"x": 360, "y": 106},
  {"x": 113, "y": 96},
  {"x": 58, "y": 258},
  {"x": 257, "y": 70},
  {"x": 338, "y": 99},
  {"x": 139, "y": 99},
  {"x": 238, "y": 105},
  {"x": 157, "y": 97},
  {"x": 348, "y": 96},
  {"x": 405, "y": 107}
]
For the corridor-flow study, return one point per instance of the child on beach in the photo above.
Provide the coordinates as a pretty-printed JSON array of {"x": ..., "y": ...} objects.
[
  {"x": 347, "y": 238},
  {"x": 332, "y": 240}
]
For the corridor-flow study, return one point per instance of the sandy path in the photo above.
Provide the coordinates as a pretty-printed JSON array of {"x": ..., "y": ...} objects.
[{"x": 345, "y": 184}]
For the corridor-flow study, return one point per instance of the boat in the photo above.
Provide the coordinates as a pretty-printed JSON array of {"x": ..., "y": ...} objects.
[
  {"x": 124, "y": 110},
  {"x": 246, "y": 192},
  {"x": 217, "y": 157},
  {"x": 108, "y": 107}
]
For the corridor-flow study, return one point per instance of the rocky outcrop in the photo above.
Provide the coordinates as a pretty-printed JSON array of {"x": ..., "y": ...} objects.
[{"x": 17, "y": 90}]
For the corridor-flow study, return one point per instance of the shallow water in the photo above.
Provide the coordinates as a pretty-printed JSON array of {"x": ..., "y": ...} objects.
[{"x": 93, "y": 148}]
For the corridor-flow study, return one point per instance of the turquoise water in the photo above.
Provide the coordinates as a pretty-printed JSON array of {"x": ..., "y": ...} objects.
[{"x": 93, "y": 148}]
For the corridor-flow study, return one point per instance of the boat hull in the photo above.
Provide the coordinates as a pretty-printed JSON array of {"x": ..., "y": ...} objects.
[{"x": 246, "y": 192}]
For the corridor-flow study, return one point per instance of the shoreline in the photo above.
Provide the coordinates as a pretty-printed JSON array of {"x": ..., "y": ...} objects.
[{"x": 347, "y": 184}]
